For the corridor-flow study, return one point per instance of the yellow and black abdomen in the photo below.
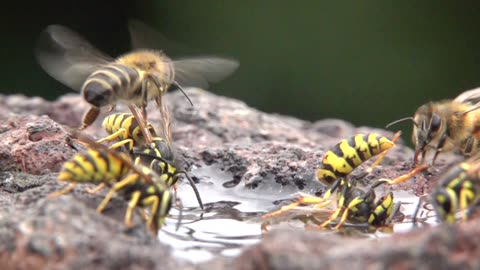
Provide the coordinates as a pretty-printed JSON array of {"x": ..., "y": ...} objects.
[
  {"x": 124, "y": 126},
  {"x": 94, "y": 167},
  {"x": 110, "y": 83},
  {"x": 350, "y": 153}
]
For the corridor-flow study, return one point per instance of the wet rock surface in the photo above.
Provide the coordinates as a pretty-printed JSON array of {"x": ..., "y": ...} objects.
[{"x": 259, "y": 152}]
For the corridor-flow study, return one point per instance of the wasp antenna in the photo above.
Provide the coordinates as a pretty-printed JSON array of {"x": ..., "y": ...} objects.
[
  {"x": 194, "y": 187},
  {"x": 180, "y": 213},
  {"x": 183, "y": 91},
  {"x": 401, "y": 120}
]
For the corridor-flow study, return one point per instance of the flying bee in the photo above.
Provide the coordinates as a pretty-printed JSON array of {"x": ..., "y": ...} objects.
[
  {"x": 158, "y": 155},
  {"x": 136, "y": 183},
  {"x": 447, "y": 125},
  {"x": 458, "y": 189},
  {"x": 133, "y": 78}
]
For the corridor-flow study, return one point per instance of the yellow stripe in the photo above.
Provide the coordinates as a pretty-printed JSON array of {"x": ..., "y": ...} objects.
[{"x": 362, "y": 146}]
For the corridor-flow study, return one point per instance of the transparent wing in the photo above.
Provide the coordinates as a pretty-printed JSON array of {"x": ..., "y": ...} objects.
[
  {"x": 143, "y": 36},
  {"x": 192, "y": 71},
  {"x": 67, "y": 56},
  {"x": 200, "y": 71},
  {"x": 471, "y": 97}
]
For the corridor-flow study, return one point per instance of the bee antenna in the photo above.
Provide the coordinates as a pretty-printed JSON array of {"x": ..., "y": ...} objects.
[
  {"x": 183, "y": 91},
  {"x": 401, "y": 120}
]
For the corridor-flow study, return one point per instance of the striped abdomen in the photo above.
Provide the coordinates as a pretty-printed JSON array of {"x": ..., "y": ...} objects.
[
  {"x": 94, "y": 167},
  {"x": 350, "y": 153},
  {"x": 110, "y": 83},
  {"x": 126, "y": 126}
]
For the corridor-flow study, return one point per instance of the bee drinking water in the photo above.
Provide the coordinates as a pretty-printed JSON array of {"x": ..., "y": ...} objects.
[{"x": 447, "y": 125}]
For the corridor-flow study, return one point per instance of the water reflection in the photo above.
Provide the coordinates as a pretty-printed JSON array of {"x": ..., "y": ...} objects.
[{"x": 231, "y": 219}]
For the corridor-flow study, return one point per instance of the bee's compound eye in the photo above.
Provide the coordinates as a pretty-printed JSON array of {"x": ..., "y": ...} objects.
[
  {"x": 435, "y": 123},
  {"x": 96, "y": 94}
]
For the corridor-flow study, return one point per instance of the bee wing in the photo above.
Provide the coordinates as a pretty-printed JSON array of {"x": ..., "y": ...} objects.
[
  {"x": 200, "y": 71},
  {"x": 471, "y": 97},
  {"x": 192, "y": 71},
  {"x": 67, "y": 56}
]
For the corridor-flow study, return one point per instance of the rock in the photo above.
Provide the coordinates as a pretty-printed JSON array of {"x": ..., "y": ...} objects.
[{"x": 252, "y": 152}]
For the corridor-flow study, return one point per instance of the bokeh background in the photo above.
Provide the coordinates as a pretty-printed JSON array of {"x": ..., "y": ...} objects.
[{"x": 368, "y": 63}]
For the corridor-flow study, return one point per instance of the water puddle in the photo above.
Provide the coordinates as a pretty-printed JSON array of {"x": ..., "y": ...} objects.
[{"x": 231, "y": 219}]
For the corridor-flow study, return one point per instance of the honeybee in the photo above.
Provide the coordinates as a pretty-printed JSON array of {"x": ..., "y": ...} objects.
[
  {"x": 133, "y": 78},
  {"x": 447, "y": 125}
]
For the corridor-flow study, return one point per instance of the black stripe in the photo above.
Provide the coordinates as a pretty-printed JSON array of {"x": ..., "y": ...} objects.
[
  {"x": 337, "y": 150},
  {"x": 78, "y": 165},
  {"x": 108, "y": 79},
  {"x": 92, "y": 161},
  {"x": 104, "y": 156},
  {"x": 131, "y": 73},
  {"x": 372, "y": 151},
  {"x": 120, "y": 75}
]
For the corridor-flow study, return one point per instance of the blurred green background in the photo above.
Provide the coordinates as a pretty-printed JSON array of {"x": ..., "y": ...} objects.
[{"x": 366, "y": 62}]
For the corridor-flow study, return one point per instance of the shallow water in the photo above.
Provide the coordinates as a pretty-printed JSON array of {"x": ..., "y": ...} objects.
[{"x": 231, "y": 219}]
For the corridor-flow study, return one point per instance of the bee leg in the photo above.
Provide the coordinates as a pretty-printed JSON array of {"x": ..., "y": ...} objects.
[
  {"x": 118, "y": 186},
  {"x": 131, "y": 206},
  {"x": 439, "y": 147},
  {"x": 96, "y": 189},
  {"x": 68, "y": 189},
  {"x": 404, "y": 177},
  {"x": 142, "y": 123},
  {"x": 89, "y": 117},
  {"x": 111, "y": 108}
]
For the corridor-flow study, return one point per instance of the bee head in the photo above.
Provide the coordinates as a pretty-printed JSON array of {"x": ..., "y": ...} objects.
[
  {"x": 97, "y": 93},
  {"x": 428, "y": 127}
]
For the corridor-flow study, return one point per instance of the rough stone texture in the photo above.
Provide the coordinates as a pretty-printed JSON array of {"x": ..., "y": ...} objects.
[{"x": 259, "y": 151}]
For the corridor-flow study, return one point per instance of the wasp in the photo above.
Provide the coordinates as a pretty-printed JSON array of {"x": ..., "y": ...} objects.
[
  {"x": 350, "y": 153},
  {"x": 138, "y": 184},
  {"x": 447, "y": 125},
  {"x": 133, "y": 78},
  {"x": 158, "y": 155},
  {"x": 458, "y": 189},
  {"x": 353, "y": 202}
]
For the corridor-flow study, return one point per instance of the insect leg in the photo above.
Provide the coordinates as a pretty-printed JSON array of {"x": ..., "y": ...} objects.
[
  {"x": 118, "y": 186},
  {"x": 96, "y": 189},
  {"x": 404, "y": 177},
  {"x": 89, "y": 117},
  {"x": 68, "y": 189},
  {"x": 131, "y": 206}
]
